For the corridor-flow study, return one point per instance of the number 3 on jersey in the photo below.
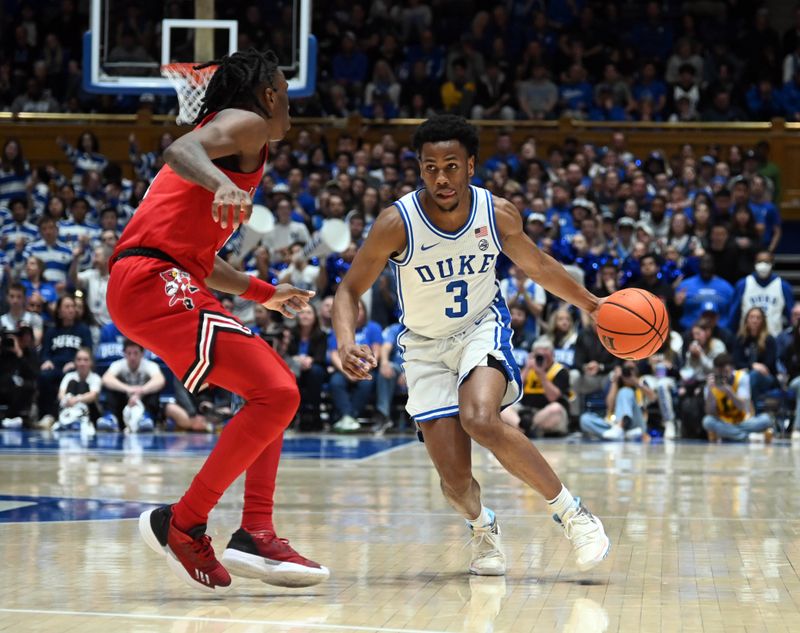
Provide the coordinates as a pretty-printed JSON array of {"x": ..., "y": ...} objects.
[{"x": 459, "y": 291}]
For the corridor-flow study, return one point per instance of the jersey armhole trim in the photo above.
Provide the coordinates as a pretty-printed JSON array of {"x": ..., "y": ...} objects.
[
  {"x": 493, "y": 221},
  {"x": 409, "y": 250}
]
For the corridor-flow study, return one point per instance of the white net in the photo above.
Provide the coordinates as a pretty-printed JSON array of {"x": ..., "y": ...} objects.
[{"x": 190, "y": 84}]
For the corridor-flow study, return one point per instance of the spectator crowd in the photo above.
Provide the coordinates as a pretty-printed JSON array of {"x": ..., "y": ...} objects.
[
  {"x": 698, "y": 228},
  {"x": 719, "y": 61}
]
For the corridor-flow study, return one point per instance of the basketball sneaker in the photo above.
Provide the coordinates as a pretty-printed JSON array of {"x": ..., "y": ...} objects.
[
  {"x": 585, "y": 531},
  {"x": 487, "y": 556},
  {"x": 108, "y": 422},
  {"x": 189, "y": 555},
  {"x": 270, "y": 559},
  {"x": 146, "y": 424},
  {"x": 613, "y": 433}
]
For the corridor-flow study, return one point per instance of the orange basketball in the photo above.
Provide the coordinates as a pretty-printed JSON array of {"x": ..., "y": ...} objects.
[{"x": 633, "y": 324}]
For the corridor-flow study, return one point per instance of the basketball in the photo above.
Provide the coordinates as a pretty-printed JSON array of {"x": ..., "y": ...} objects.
[{"x": 633, "y": 324}]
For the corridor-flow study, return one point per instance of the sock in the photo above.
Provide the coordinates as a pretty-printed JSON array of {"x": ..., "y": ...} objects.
[
  {"x": 483, "y": 520},
  {"x": 563, "y": 502}
]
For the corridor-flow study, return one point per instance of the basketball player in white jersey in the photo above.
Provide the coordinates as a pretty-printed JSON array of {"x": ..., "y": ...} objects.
[{"x": 443, "y": 241}]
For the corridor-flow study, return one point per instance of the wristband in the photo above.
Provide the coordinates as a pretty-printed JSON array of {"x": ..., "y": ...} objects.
[{"x": 258, "y": 290}]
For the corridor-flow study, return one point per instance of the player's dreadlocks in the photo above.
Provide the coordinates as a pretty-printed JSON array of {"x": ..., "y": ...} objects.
[{"x": 236, "y": 80}]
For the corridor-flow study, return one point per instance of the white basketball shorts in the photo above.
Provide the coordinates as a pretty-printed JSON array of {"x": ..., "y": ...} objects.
[{"x": 435, "y": 368}]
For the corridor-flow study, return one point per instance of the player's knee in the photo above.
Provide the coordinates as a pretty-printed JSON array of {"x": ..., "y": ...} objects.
[
  {"x": 279, "y": 402},
  {"x": 481, "y": 422}
]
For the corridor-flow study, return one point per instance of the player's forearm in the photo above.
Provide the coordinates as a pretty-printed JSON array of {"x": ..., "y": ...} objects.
[
  {"x": 225, "y": 278},
  {"x": 189, "y": 160},
  {"x": 776, "y": 237},
  {"x": 551, "y": 392},
  {"x": 345, "y": 312},
  {"x": 115, "y": 384},
  {"x": 154, "y": 385},
  {"x": 553, "y": 277}
]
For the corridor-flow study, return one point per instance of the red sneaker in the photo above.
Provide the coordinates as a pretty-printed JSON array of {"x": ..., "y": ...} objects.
[
  {"x": 271, "y": 559},
  {"x": 190, "y": 556}
]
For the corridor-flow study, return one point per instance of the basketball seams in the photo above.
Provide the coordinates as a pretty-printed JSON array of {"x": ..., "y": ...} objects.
[
  {"x": 636, "y": 314},
  {"x": 605, "y": 329},
  {"x": 658, "y": 327},
  {"x": 646, "y": 298}
]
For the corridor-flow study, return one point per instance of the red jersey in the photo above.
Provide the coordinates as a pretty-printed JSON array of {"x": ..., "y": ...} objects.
[{"x": 175, "y": 217}]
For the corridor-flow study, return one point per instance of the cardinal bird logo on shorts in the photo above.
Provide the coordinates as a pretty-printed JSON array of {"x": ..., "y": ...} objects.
[{"x": 178, "y": 287}]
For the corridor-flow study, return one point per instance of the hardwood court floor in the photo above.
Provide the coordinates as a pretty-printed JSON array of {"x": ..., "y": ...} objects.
[{"x": 705, "y": 538}]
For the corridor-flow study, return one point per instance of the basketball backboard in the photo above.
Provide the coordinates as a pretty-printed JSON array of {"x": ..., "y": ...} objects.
[{"x": 124, "y": 49}]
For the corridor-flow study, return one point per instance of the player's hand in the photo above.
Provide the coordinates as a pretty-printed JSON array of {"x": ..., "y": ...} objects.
[
  {"x": 593, "y": 314},
  {"x": 357, "y": 361},
  {"x": 761, "y": 368},
  {"x": 231, "y": 207},
  {"x": 289, "y": 300}
]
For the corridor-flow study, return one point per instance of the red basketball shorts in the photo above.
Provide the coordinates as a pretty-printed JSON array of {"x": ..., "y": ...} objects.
[{"x": 174, "y": 315}]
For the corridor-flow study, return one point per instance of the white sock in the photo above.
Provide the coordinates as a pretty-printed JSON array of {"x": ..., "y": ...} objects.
[
  {"x": 563, "y": 501},
  {"x": 483, "y": 520}
]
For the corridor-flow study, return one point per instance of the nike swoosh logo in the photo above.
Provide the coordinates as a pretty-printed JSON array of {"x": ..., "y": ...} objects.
[{"x": 426, "y": 247}]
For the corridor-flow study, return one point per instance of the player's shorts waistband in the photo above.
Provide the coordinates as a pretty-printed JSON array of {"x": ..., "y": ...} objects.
[{"x": 145, "y": 251}]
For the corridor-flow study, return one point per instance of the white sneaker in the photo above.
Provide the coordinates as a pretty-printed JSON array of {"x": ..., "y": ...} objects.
[
  {"x": 796, "y": 435},
  {"x": 347, "y": 424},
  {"x": 634, "y": 434},
  {"x": 669, "y": 430},
  {"x": 585, "y": 531},
  {"x": 487, "y": 557},
  {"x": 756, "y": 438},
  {"x": 614, "y": 433},
  {"x": 12, "y": 423}
]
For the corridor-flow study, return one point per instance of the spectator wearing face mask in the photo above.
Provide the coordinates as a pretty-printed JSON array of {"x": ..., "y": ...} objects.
[{"x": 763, "y": 289}]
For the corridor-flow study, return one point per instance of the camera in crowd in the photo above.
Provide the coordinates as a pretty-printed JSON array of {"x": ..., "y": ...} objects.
[
  {"x": 275, "y": 336},
  {"x": 10, "y": 340},
  {"x": 722, "y": 379},
  {"x": 627, "y": 372}
]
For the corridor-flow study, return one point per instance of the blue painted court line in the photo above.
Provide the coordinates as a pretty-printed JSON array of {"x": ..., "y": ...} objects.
[
  {"x": 184, "y": 444},
  {"x": 29, "y": 509}
]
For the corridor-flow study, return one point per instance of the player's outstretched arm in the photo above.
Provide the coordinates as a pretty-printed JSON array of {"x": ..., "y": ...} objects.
[
  {"x": 231, "y": 133},
  {"x": 386, "y": 237},
  {"x": 539, "y": 266},
  {"x": 283, "y": 298}
]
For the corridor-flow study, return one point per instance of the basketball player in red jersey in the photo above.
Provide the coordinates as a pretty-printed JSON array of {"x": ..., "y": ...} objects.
[{"x": 159, "y": 295}]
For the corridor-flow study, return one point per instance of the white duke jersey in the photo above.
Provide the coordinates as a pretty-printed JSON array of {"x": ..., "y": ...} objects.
[{"x": 446, "y": 281}]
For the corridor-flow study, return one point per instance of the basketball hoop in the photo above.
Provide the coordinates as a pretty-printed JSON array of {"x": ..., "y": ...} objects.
[{"x": 190, "y": 84}]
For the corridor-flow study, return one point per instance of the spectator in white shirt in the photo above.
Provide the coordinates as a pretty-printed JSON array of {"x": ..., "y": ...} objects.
[
  {"x": 95, "y": 282},
  {"x": 79, "y": 392},
  {"x": 132, "y": 382},
  {"x": 286, "y": 231}
]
